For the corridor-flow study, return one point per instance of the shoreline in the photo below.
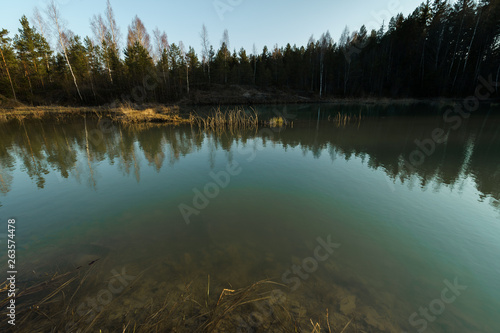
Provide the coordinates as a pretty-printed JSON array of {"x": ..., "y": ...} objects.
[
  {"x": 124, "y": 114},
  {"x": 176, "y": 113}
]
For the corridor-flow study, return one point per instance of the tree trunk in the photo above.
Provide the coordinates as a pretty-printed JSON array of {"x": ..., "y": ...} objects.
[
  {"x": 456, "y": 47},
  {"x": 472, "y": 41},
  {"x": 439, "y": 48},
  {"x": 29, "y": 80},
  {"x": 56, "y": 22},
  {"x": 91, "y": 81},
  {"x": 255, "y": 70},
  {"x": 346, "y": 76},
  {"x": 496, "y": 81},
  {"x": 321, "y": 80},
  {"x": 422, "y": 66},
  {"x": 72, "y": 74},
  {"x": 209, "y": 77},
  {"x": 187, "y": 78},
  {"x": 8, "y": 74},
  {"x": 109, "y": 72},
  {"x": 225, "y": 68}
]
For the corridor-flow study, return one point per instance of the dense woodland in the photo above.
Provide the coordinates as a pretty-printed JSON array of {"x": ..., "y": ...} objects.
[{"x": 440, "y": 50}]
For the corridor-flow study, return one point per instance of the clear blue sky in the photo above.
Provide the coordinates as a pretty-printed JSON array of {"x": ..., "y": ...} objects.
[{"x": 248, "y": 21}]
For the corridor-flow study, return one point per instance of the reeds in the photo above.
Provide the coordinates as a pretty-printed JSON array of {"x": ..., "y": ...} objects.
[
  {"x": 277, "y": 122},
  {"x": 235, "y": 119},
  {"x": 344, "y": 119}
]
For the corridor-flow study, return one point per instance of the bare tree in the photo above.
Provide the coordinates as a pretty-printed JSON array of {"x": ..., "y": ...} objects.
[
  {"x": 225, "y": 43},
  {"x": 325, "y": 43},
  {"x": 205, "y": 49},
  {"x": 161, "y": 41},
  {"x": 112, "y": 27},
  {"x": 99, "y": 29},
  {"x": 254, "y": 50},
  {"x": 42, "y": 27},
  {"x": 344, "y": 44},
  {"x": 101, "y": 32},
  {"x": 137, "y": 33},
  {"x": 55, "y": 17},
  {"x": 157, "y": 48},
  {"x": 185, "y": 58},
  {"x": 310, "y": 47}
]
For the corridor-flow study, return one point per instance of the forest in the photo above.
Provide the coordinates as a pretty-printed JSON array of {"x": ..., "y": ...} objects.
[{"x": 442, "y": 49}]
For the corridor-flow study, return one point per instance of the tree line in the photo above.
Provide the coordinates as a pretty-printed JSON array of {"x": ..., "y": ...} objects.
[{"x": 442, "y": 49}]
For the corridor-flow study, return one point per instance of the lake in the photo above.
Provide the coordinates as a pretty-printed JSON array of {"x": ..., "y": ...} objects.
[{"x": 390, "y": 219}]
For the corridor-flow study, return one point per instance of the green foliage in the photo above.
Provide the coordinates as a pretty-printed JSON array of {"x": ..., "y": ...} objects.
[{"x": 138, "y": 63}]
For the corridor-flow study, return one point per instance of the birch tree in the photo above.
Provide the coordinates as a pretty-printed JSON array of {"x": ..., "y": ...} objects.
[
  {"x": 161, "y": 43},
  {"x": 42, "y": 28},
  {"x": 225, "y": 49},
  {"x": 114, "y": 32},
  {"x": 325, "y": 43},
  {"x": 100, "y": 30},
  {"x": 55, "y": 17},
  {"x": 137, "y": 33},
  {"x": 254, "y": 51},
  {"x": 344, "y": 43},
  {"x": 205, "y": 50},
  {"x": 161, "y": 54},
  {"x": 185, "y": 60}
]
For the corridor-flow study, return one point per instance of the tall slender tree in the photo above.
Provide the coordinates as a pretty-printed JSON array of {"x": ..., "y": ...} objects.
[
  {"x": 55, "y": 17},
  {"x": 225, "y": 52},
  {"x": 205, "y": 50},
  {"x": 137, "y": 33}
]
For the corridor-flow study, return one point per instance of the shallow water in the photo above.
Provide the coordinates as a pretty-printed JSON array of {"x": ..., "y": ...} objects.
[{"x": 404, "y": 228}]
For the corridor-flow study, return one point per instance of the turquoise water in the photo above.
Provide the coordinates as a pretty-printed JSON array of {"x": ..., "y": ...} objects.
[{"x": 400, "y": 231}]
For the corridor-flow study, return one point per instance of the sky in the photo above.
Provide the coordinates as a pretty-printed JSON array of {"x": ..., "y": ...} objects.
[{"x": 249, "y": 22}]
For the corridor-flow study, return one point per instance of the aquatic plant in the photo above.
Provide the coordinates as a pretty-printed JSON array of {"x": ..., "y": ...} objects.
[
  {"x": 344, "y": 119},
  {"x": 226, "y": 120}
]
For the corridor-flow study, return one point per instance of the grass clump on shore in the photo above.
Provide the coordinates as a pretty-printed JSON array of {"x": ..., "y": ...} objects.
[
  {"x": 123, "y": 113},
  {"x": 130, "y": 114}
]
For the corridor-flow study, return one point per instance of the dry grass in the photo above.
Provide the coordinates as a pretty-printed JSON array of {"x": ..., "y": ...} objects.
[
  {"x": 277, "y": 122},
  {"x": 344, "y": 119},
  {"x": 130, "y": 114},
  {"x": 25, "y": 112},
  {"x": 52, "y": 305},
  {"x": 149, "y": 115},
  {"x": 236, "y": 119},
  {"x": 124, "y": 113}
]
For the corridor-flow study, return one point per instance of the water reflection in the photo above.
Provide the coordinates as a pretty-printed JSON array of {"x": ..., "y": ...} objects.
[
  {"x": 397, "y": 246},
  {"x": 77, "y": 148}
]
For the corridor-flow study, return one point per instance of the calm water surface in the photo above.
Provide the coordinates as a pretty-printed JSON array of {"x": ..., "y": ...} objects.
[{"x": 404, "y": 232}]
